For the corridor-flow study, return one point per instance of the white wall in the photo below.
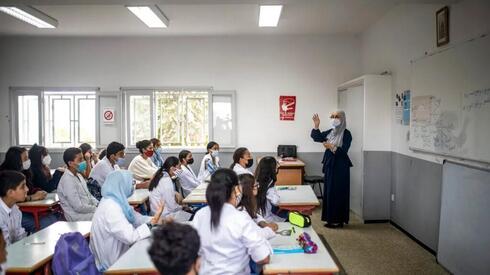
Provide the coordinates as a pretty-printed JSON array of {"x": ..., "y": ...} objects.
[
  {"x": 407, "y": 32},
  {"x": 259, "y": 68}
]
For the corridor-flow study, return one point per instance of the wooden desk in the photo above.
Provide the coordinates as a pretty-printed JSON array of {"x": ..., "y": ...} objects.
[
  {"x": 25, "y": 257},
  {"x": 301, "y": 199},
  {"x": 137, "y": 260},
  {"x": 36, "y": 208},
  {"x": 319, "y": 263},
  {"x": 198, "y": 195},
  {"x": 290, "y": 172},
  {"x": 140, "y": 196}
]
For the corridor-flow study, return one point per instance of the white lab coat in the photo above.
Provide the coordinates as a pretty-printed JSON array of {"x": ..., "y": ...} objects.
[
  {"x": 241, "y": 170},
  {"x": 11, "y": 223},
  {"x": 77, "y": 202},
  {"x": 141, "y": 168},
  {"x": 188, "y": 180},
  {"x": 102, "y": 169},
  {"x": 111, "y": 234},
  {"x": 227, "y": 248},
  {"x": 266, "y": 232},
  {"x": 165, "y": 191},
  {"x": 203, "y": 171},
  {"x": 272, "y": 199}
]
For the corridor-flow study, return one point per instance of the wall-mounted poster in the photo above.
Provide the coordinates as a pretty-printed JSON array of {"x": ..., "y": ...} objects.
[
  {"x": 287, "y": 107},
  {"x": 406, "y": 107}
]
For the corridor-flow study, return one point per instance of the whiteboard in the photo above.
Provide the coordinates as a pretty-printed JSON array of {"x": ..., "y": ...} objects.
[{"x": 450, "y": 105}]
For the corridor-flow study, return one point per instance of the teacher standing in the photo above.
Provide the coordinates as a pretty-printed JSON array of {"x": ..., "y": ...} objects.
[{"x": 336, "y": 168}]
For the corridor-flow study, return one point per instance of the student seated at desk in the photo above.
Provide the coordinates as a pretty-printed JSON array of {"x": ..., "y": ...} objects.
[
  {"x": 41, "y": 174},
  {"x": 3, "y": 253},
  {"x": 229, "y": 237},
  {"x": 75, "y": 199},
  {"x": 248, "y": 204},
  {"x": 163, "y": 188},
  {"x": 210, "y": 161},
  {"x": 89, "y": 157},
  {"x": 113, "y": 159},
  {"x": 116, "y": 225},
  {"x": 13, "y": 189},
  {"x": 157, "y": 157},
  {"x": 242, "y": 161},
  {"x": 268, "y": 198},
  {"x": 188, "y": 179},
  {"x": 175, "y": 249},
  {"x": 17, "y": 159},
  {"x": 142, "y": 166}
]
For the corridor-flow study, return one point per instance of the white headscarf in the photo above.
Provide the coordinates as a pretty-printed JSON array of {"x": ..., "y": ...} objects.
[{"x": 337, "y": 134}]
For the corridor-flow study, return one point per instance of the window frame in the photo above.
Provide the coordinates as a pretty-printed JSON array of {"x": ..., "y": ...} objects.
[
  {"x": 150, "y": 91},
  {"x": 15, "y": 92}
]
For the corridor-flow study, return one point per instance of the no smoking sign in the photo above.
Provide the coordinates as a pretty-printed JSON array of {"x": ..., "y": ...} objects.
[{"x": 108, "y": 115}]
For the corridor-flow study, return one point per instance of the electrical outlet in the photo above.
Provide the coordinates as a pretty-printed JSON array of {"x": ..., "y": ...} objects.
[{"x": 392, "y": 197}]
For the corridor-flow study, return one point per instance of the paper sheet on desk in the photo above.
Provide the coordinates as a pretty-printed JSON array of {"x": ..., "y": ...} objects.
[{"x": 182, "y": 216}]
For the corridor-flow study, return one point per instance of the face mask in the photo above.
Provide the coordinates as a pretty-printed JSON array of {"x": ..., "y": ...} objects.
[
  {"x": 178, "y": 172},
  {"x": 47, "y": 160},
  {"x": 249, "y": 163},
  {"x": 214, "y": 153},
  {"x": 149, "y": 154},
  {"x": 190, "y": 161},
  {"x": 26, "y": 164},
  {"x": 239, "y": 199},
  {"x": 335, "y": 122},
  {"x": 82, "y": 166},
  {"x": 120, "y": 161}
]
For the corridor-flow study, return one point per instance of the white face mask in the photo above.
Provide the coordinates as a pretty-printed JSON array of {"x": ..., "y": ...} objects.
[
  {"x": 47, "y": 160},
  {"x": 214, "y": 153},
  {"x": 239, "y": 199},
  {"x": 335, "y": 122},
  {"x": 26, "y": 164}
]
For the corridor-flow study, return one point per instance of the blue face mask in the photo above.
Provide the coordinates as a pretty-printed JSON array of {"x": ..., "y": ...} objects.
[
  {"x": 82, "y": 166},
  {"x": 120, "y": 161}
]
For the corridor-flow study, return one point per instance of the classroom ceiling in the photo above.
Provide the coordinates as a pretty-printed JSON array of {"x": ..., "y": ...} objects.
[{"x": 202, "y": 17}]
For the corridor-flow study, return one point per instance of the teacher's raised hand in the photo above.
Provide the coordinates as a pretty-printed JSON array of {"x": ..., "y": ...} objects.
[{"x": 316, "y": 120}]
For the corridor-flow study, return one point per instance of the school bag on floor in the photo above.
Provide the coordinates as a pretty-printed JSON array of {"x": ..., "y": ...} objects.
[{"x": 72, "y": 256}]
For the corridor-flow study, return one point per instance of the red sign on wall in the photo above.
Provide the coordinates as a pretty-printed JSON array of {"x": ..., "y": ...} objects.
[{"x": 287, "y": 107}]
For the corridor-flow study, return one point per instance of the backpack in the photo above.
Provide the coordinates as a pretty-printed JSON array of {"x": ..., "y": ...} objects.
[
  {"x": 72, "y": 256},
  {"x": 94, "y": 188}
]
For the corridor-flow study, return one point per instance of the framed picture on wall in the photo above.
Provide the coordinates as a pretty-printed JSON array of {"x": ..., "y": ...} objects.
[{"x": 442, "y": 26}]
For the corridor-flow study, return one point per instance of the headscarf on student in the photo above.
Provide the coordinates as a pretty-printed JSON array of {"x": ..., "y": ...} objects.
[{"x": 118, "y": 187}]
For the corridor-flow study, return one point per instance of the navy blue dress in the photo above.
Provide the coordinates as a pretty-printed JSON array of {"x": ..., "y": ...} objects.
[{"x": 336, "y": 168}]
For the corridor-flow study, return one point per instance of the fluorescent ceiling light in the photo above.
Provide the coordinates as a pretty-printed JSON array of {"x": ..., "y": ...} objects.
[
  {"x": 32, "y": 16},
  {"x": 269, "y": 15},
  {"x": 152, "y": 16}
]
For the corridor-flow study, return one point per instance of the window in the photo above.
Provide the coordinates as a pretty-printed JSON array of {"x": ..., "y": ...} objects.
[
  {"x": 64, "y": 119},
  {"x": 180, "y": 117}
]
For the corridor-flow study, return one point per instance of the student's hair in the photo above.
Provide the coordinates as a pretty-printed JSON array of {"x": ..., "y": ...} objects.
[
  {"x": 175, "y": 248},
  {"x": 210, "y": 145},
  {"x": 237, "y": 155},
  {"x": 249, "y": 201},
  {"x": 102, "y": 154},
  {"x": 265, "y": 173},
  {"x": 155, "y": 141},
  {"x": 36, "y": 154},
  {"x": 85, "y": 147},
  {"x": 113, "y": 148},
  {"x": 183, "y": 154},
  {"x": 169, "y": 162},
  {"x": 219, "y": 192},
  {"x": 13, "y": 159},
  {"x": 10, "y": 180},
  {"x": 70, "y": 154},
  {"x": 142, "y": 144}
]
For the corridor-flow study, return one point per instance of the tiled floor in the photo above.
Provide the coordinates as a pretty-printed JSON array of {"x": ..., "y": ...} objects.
[{"x": 376, "y": 249}]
